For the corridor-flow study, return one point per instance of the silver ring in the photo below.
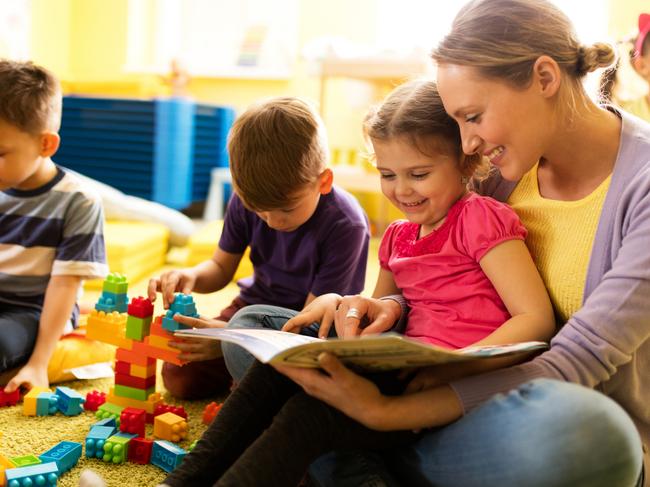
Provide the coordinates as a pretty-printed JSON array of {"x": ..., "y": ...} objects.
[{"x": 353, "y": 313}]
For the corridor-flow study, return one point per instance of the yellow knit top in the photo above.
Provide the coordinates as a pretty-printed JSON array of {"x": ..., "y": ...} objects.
[{"x": 560, "y": 238}]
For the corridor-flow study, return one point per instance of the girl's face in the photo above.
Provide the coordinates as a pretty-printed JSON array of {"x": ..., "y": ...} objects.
[
  {"x": 422, "y": 186},
  {"x": 507, "y": 125}
]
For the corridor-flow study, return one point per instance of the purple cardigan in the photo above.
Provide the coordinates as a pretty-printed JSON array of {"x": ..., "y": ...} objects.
[{"x": 605, "y": 345}]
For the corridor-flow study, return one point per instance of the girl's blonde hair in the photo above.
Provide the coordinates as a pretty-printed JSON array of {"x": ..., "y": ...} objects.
[
  {"x": 502, "y": 39},
  {"x": 414, "y": 111}
]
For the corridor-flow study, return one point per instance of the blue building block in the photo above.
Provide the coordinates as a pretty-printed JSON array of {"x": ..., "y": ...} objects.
[
  {"x": 182, "y": 304},
  {"x": 109, "y": 302},
  {"x": 96, "y": 438},
  {"x": 166, "y": 455},
  {"x": 70, "y": 401},
  {"x": 47, "y": 404},
  {"x": 65, "y": 454},
  {"x": 41, "y": 475},
  {"x": 106, "y": 422}
]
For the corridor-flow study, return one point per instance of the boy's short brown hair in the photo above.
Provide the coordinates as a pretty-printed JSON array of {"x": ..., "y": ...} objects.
[
  {"x": 30, "y": 97},
  {"x": 276, "y": 148}
]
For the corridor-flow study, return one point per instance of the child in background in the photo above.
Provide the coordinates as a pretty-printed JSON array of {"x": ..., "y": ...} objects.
[
  {"x": 640, "y": 60},
  {"x": 306, "y": 236},
  {"x": 449, "y": 259},
  {"x": 51, "y": 228}
]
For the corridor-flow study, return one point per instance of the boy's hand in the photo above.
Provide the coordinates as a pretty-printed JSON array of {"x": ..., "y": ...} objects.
[
  {"x": 320, "y": 310},
  {"x": 196, "y": 349},
  {"x": 28, "y": 376},
  {"x": 182, "y": 280}
]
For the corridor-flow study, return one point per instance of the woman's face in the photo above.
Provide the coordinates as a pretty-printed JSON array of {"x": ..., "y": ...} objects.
[{"x": 509, "y": 126}]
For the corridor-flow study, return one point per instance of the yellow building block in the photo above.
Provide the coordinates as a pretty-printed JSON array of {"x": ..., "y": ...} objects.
[
  {"x": 203, "y": 244},
  {"x": 30, "y": 399},
  {"x": 143, "y": 371},
  {"x": 170, "y": 426},
  {"x": 149, "y": 405},
  {"x": 135, "y": 249},
  {"x": 108, "y": 328}
]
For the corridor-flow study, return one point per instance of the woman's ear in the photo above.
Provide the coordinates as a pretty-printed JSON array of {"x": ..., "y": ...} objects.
[{"x": 547, "y": 75}]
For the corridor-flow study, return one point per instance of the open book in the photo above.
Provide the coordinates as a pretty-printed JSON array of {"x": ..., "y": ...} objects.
[{"x": 375, "y": 352}]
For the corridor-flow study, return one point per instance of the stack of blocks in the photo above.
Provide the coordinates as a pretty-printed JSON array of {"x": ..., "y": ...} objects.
[{"x": 132, "y": 402}]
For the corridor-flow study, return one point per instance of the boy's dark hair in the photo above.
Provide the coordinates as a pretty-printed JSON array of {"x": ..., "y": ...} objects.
[
  {"x": 414, "y": 111},
  {"x": 30, "y": 97},
  {"x": 276, "y": 148}
]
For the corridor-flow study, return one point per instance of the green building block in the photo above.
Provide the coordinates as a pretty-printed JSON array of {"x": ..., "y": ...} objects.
[
  {"x": 26, "y": 460},
  {"x": 115, "y": 283},
  {"x": 133, "y": 392},
  {"x": 137, "y": 328}
]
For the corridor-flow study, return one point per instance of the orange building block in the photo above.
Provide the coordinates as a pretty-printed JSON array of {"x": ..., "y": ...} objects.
[
  {"x": 134, "y": 356},
  {"x": 149, "y": 405},
  {"x": 156, "y": 328},
  {"x": 108, "y": 328},
  {"x": 5, "y": 464},
  {"x": 141, "y": 348},
  {"x": 170, "y": 426}
]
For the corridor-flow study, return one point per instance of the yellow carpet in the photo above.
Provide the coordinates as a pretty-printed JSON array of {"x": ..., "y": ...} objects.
[{"x": 23, "y": 435}]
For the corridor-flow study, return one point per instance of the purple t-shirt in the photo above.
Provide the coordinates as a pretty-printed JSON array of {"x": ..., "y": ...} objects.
[{"x": 326, "y": 254}]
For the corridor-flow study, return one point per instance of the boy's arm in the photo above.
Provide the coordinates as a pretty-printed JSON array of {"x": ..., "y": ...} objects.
[{"x": 60, "y": 297}]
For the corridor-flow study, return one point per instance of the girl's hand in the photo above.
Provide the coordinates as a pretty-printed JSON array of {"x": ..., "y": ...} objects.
[
  {"x": 195, "y": 349},
  {"x": 29, "y": 376},
  {"x": 342, "y": 389},
  {"x": 168, "y": 283},
  {"x": 320, "y": 310},
  {"x": 358, "y": 315}
]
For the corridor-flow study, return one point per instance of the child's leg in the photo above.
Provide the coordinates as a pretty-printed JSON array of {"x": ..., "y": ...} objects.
[
  {"x": 246, "y": 413},
  {"x": 204, "y": 379},
  {"x": 261, "y": 316},
  {"x": 303, "y": 430},
  {"x": 19, "y": 327}
]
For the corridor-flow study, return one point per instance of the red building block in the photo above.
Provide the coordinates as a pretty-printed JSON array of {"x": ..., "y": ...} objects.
[
  {"x": 9, "y": 398},
  {"x": 132, "y": 420},
  {"x": 140, "y": 450},
  {"x": 140, "y": 307},
  {"x": 94, "y": 399},
  {"x": 210, "y": 412},
  {"x": 137, "y": 382},
  {"x": 168, "y": 408}
]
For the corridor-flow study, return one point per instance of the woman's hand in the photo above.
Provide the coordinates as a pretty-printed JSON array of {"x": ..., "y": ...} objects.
[
  {"x": 342, "y": 389},
  {"x": 320, "y": 310},
  {"x": 196, "y": 349},
  {"x": 358, "y": 315}
]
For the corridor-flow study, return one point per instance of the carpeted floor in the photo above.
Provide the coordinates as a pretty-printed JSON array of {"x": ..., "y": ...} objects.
[{"x": 23, "y": 435}]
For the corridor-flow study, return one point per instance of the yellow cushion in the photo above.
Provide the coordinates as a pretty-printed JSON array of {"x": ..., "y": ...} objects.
[{"x": 75, "y": 351}]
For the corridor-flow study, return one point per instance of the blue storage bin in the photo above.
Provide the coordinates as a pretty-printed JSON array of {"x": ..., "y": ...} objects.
[{"x": 162, "y": 150}]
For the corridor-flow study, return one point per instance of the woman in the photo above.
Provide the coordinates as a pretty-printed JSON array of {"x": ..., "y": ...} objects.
[{"x": 578, "y": 175}]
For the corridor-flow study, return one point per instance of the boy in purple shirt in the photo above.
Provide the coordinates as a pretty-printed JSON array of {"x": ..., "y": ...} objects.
[{"x": 306, "y": 236}]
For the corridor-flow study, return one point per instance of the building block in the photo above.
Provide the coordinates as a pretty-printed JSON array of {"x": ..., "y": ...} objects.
[
  {"x": 169, "y": 408},
  {"x": 96, "y": 438},
  {"x": 5, "y": 463},
  {"x": 140, "y": 450},
  {"x": 192, "y": 445},
  {"x": 9, "y": 398},
  {"x": 159, "y": 353},
  {"x": 65, "y": 454},
  {"x": 160, "y": 342},
  {"x": 133, "y": 356},
  {"x": 140, "y": 307},
  {"x": 108, "y": 410},
  {"x": 183, "y": 304},
  {"x": 170, "y": 324},
  {"x": 149, "y": 405},
  {"x": 132, "y": 420},
  {"x": 41, "y": 475},
  {"x": 70, "y": 401},
  {"x": 116, "y": 447},
  {"x": 106, "y": 422},
  {"x": 110, "y": 302},
  {"x": 30, "y": 400},
  {"x": 115, "y": 283},
  {"x": 137, "y": 328},
  {"x": 26, "y": 461},
  {"x": 47, "y": 404},
  {"x": 108, "y": 328},
  {"x": 166, "y": 455},
  {"x": 94, "y": 399},
  {"x": 169, "y": 426},
  {"x": 157, "y": 329},
  {"x": 210, "y": 412},
  {"x": 133, "y": 392},
  {"x": 143, "y": 371},
  {"x": 136, "y": 382}
]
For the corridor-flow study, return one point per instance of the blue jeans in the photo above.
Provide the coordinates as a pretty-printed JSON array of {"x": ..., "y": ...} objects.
[
  {"x": 239, "y": 360},
  {"x": 19, "y": 325},
  {"x": 544, "y": 433}
]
